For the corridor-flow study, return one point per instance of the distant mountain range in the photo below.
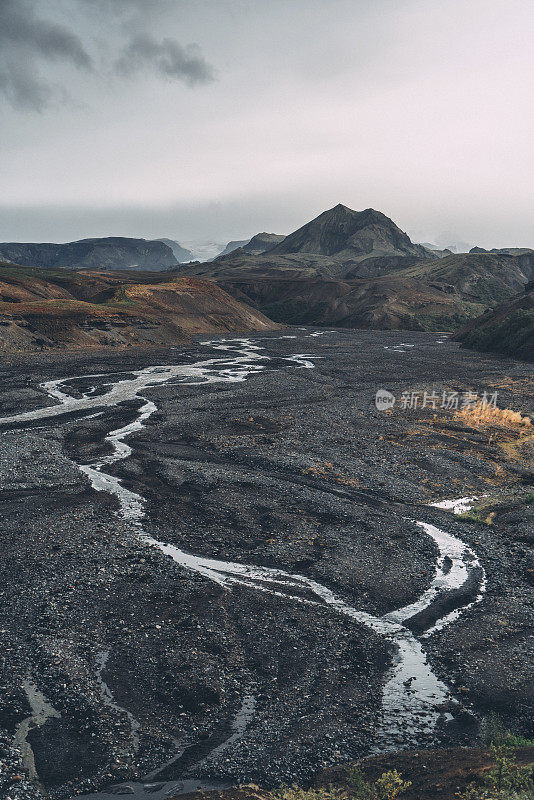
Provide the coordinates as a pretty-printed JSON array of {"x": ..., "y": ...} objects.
[
  {"x": 344, "y": 268},
  {"x": 338, "y": 242},
  {"x": 358, "y": 269}
]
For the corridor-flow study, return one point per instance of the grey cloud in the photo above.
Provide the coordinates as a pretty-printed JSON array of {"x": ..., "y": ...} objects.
[
  {"x": 167, "y": 58},
  {"x": 26, "y": 39},
  {"x": 21, "y": 27},
  {"x": 28, "y": 42},
  {"x": 21, "y": 84}
]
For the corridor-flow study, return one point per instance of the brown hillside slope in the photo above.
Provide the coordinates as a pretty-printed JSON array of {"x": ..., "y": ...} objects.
[
  {"x": 390, "y": 302},
  {"x": 39, "y": 311},
  {"x": 436, "y": 294}
]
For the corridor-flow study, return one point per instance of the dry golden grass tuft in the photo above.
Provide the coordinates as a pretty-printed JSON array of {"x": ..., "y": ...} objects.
[
  {"x": 482, "y": 415},
  {"x": 326, "y": 469},
  {"x": 512, "y": 432}
]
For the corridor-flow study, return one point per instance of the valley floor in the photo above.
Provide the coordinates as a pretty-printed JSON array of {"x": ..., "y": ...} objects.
[{"x": 115, "y": 660}]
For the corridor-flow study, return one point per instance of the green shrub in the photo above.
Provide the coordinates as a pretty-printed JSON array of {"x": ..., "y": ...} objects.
[
  {"x": 360, "y": 788},
  {"x": 476, "y": 515},
  {"x": 507, "y": 780},
  {"x": 389, "y": 786},
  {"x": 474, "y": 792},
  {"x": 494, "y": 732},
  {"x": 296, "y": 793},
  {"x": 507, "y": 775}
]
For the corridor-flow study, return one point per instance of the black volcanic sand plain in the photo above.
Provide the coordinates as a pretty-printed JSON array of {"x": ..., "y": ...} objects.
[{"x": 293, "y": 468}]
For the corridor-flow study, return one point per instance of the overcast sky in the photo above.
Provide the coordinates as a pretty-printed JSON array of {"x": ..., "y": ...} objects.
[{"x": 215, "y": 119}]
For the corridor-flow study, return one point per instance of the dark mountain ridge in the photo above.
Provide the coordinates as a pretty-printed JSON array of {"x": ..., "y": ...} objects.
[
  {"x": 347, "y": 268},
  {"x": 236, "y": 244},
  {"x": 110, "y": 252}
]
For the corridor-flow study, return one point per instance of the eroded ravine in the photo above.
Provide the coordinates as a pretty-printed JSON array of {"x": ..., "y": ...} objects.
[{"x": 412, "y": 694}]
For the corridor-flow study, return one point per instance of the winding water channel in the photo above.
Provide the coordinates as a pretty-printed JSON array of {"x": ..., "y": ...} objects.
[{"x": 412, "y": 693}]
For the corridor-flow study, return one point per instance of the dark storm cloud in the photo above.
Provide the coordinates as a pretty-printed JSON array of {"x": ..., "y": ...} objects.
[
  {"x": 20, "y": 26},
  {"x": 167, "y": 57},
  {"x": 29, "y": 43},
  {"x": 25, "y": 39}
]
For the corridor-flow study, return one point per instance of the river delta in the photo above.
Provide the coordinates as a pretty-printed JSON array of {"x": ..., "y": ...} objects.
[{"x": 224, "y": 564}]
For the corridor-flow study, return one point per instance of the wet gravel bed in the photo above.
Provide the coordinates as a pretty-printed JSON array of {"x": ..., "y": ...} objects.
[{"x": 293, "y": 468}]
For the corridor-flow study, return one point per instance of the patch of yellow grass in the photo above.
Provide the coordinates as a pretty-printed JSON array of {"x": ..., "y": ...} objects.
[
  {"x": 480, "y": 414},
  {"x": 326, "y": 469}
]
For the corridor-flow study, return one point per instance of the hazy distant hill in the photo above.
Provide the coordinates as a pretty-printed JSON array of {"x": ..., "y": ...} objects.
[
  {"x": 180, "y": 253},
  {"x": 435, "y": 249},
  {"x": 358, "y": 269},
  {"x": 111, "y": 252},
  {"x": 507, "y": 329},
  {"x": 44, "y": 309},
  {"x": 235, "y": 245},
  {"x": 204, "y": 250},
  {"x": 259, "y": 243},
  {"x": 262, "y": 242}
]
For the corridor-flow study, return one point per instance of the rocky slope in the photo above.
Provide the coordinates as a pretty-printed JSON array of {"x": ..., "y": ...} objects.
[
  {"x": 507, "y": 329},
  {"x": 439, "y": 774},
  {"x": 112, "y": 252},
  {"x": 233, "y": 245},
  {"x": 483, "y": 278},
  {"x": 42, "y": 309}
]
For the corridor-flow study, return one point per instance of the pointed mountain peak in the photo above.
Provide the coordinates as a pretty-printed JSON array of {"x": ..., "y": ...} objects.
[
  {"x": 342, "y": 230},
  {"x": 336, "y": 211}
]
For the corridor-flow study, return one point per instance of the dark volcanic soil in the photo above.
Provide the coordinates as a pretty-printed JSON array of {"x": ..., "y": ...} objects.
[{"x": 129, "y": 659}]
